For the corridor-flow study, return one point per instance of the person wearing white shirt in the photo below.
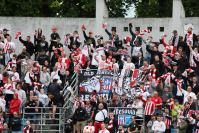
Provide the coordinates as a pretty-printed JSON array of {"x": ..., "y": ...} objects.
[
  {"x": 9, "y": 48},
  {"x": 89, "y": 128},
  {"x": 44, "y": 76},
  {"x": 128, "y": 64},
  {"x": 138, "y": 104},
  {"x": 115, "y": 65},
  {"x": 100, "y": 117},
  {"x": 188, "y": 93},
  {"x": 159, "y": 126},
  {"x": 104, "y": 130},
  {"x": 2, "y": 103},
  {"x": 43, "y": 98},
  {"x": 22, "y": 95},
  {"x": 54, "y": 74}
]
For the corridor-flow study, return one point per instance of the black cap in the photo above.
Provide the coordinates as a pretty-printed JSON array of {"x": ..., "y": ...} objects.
[
  {"x": 113, "y": 29},
  {"x": 5, "y": 29},
  {"x": 174, "y": 31}
]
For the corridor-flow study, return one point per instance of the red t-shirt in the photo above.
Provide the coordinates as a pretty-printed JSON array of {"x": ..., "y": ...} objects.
[{"x": 157, "y": 100}]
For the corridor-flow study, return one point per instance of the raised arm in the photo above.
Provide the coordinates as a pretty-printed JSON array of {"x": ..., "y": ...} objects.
[
  {"x": 107, "y": 32},
  {"x": 163, "y": 41},
  {"x": 149, "y": 49},
  {"x": 131, "y": 31},
  {"x": 85, "y": 36},
  {"x": 21, "y": 40}
]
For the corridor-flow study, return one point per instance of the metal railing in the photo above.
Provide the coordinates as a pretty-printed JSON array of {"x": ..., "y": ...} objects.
[
  {"x": 70, "y": 91},
  {"x": 42, "y": 120}
]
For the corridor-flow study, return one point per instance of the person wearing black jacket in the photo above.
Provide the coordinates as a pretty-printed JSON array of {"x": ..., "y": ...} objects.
[
  {"x": 54, "y": 38},
  {"x": 197, "y": 65},
  {"x": 153, "y": 53},
  {"x": 28, "y": 44},
  {"x": 113, "y": 37},
  {"x": 15, "y": 123},
  {"x": 42, "y": 45},
  {"x": 56, "y": 98},
  {"x": 195, "y": 85},
  {"x": 136, "y": 40},
  {"x": 89, "y": 39},
  {"x": 159, "y": 65},
  {"x": 30, "y": 108},
  {"x": 2, "y": 61},
  {"x": 190, "y": 37},
  {"x": 42, "y": 57},
  {"x": 74, "y": 41},
  {"x": 79, "y": 117}
]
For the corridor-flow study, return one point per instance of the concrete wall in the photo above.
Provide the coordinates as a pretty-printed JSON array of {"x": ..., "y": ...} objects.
[{"x": 27, "y": 25}]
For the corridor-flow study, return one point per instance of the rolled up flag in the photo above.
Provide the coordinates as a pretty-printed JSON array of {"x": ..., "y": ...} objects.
[
  {"x": 83, "y": 27},
  {"x": 104, "y": 25},
  {"x": 146, "y": 30},
  {"x": 17, "y": 35},
  {"x": 127, "y": 40}
]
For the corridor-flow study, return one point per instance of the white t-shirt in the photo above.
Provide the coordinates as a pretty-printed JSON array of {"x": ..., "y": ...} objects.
[
  {"x": 187, "y": 94},
  {"x": 89, "y": 129},
  {"x": 159, "y": 127},
  {"x": 129, "y": 66},
  {"x": 101, "y": 115},
  {"x": 2, "y": 104},
  {"x": 104, "y": 131},
  {"x": 136, "y": 51},
  {"x": 138, "y": 104}
]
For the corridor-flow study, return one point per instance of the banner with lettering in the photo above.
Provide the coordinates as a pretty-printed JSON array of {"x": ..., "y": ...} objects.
[
  {"x": 99, "y": 80},
  {"x": 124, "y": 115},
  {"x": 104, "y": 82}
]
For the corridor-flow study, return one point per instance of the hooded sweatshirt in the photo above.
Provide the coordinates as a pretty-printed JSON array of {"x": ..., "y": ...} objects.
[{"x": 15, "y": 104}]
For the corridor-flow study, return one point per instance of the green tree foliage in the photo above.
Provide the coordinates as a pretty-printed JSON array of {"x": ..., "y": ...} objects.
[
  {"x": 86, "y": 8},
  {"x": 191, "y": 8},
  {"x": 77, "y": 8},
  {"x": 118, "y": 8},
  {"x": 153, "y": 8},
  {"x": 163, "y": 8}
]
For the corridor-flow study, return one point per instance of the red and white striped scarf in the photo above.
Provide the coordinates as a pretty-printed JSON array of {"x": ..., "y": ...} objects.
[
  {"x": 6, "y": 47},
  {"x": 152, "y": 73},
  {"x": 189, "y": 70},
  {"x": 189, "y": 38},
  {"x": 157, "y": 82},
  {"x": 170, "y": 102},
  {"x": 179, "y": 87},
  {"x": 167, "y": 120},
  {"x": 149, "y": 108},
  {"x": 110, "y": 125},
  {"x": 134, "y": 76},
  {"x": 167, "y": 77}
]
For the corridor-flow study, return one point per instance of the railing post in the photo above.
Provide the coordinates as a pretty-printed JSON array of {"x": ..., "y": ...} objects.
[
  {"x": 59, "y": 120},
  {"x": 41, "y": 116},
  {"x": 23, "y": 111}
]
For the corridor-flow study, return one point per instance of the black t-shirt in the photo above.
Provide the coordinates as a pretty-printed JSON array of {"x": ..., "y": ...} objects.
[
  {"x": 133, "y": 126},
  {"x": 15, "y": 124},
  {"x": 31, "y": 104}
]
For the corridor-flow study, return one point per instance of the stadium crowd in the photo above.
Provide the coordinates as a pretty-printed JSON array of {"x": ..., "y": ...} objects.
[{"x": 167, "y": 93}]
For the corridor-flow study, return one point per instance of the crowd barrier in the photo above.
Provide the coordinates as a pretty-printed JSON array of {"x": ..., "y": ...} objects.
[{"x": 42, "y": 121}]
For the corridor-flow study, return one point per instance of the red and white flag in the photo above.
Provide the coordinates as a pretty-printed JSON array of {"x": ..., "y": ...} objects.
[
  {"x": 83, "y": 27},
  {"x": 134, "y": 76},
  {"x": 179, "y": 87},
  {"x": 104, "y": 25},
  {"x": 17, "y": 35}
]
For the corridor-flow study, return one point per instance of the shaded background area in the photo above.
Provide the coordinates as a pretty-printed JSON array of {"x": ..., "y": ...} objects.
[{"x": 86, "y": 8}]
